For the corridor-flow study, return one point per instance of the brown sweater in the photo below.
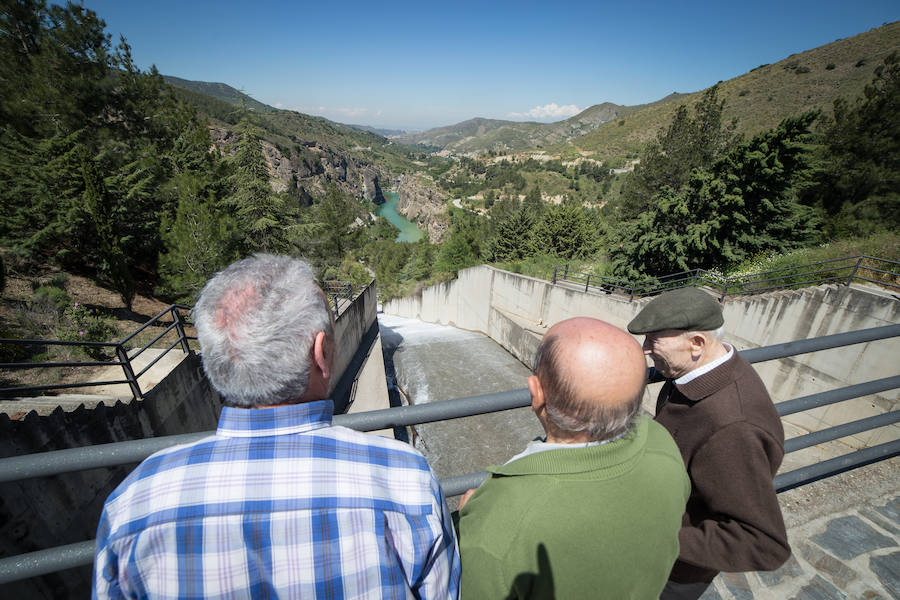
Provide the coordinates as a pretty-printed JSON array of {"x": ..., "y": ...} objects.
[{"x": 732, "y": 443}]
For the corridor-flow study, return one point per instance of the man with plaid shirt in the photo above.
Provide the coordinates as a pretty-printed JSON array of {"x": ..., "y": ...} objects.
[{"x": 279, "y": 502}]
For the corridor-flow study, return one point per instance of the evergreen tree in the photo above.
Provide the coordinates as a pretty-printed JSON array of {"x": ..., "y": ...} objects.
[
  {"x": 859, "y": 188},
  {"x": 263, "y": 217},
  {"x": 534, "y": 202},
  {"x": 463, "y": 246},
  {"x": 512, "y": 241},
  {"x": 98, "y": 204},
  {"x": 199, "y": 239},
  {"x": 689, "y": 142},
  {"x": 334, "y": 216},
  {"x": 744, "y": 204},
  {"x": 565, "y": 231},
  {"x": 420, "y": 263}
]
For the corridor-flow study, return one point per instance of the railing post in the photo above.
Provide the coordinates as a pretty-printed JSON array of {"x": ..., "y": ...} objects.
[
  {"x": 631, "y": 294},
  {"x": 855, "y": 269},
  {"x": 587, "y": 283},
  {"x": 566, "y": 273},
  {"x": 724, "y": 291},
  {"x": 122, "y": 355},
  {"x": 554, "y": 275},
  {"x": 179, "y": 329}
]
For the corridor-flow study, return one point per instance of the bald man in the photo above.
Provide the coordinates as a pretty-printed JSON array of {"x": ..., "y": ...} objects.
[{"x": 593, "y": 510}]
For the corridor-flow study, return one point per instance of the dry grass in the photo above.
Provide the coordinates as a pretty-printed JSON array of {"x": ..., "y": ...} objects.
[
  {"x": 22, "y": 316},
  {"x": 762, "y": 97}
]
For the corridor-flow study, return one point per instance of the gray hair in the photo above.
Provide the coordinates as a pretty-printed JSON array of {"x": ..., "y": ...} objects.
[
  {"x": 565, "y": 407},
  {"x": 256, "y": 322},
  {"x": 713, "y": 334}
]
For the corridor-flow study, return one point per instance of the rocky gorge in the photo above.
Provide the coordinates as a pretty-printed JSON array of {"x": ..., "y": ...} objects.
[
  {"x": 424, "y": 205},
  {"x": 310, "y": 168}
]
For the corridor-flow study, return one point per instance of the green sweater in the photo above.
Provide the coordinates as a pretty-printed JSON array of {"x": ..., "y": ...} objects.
[{"x": 595, "y": 522}]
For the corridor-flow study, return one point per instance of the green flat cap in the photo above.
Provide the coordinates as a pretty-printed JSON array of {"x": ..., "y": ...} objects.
[{"x": 688, "y": 309}]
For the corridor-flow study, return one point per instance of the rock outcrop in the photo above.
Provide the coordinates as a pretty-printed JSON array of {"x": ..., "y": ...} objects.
[
  {"x": 309, "y": 168},
  {"x": 423, "y": 204}
]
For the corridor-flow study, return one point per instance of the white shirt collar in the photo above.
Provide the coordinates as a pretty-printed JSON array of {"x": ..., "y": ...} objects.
[
  {"x": 535, "y": 446},
  {"x": 691, "y": 375}
]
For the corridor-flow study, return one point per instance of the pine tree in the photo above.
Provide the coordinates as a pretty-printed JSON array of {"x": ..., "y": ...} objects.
[
  {"x": 534, "y": 202},
  {"x": 199, "y": 239},
  {"x": 263, "y": 217},
  {"x": 513, "y": 239},
  {"x": 858, "y": 187},
  {"x": 689, "y": 142},
  {"x": 98, "y": 204},
  {"x": 565, "y": 231},
  {"x": 334, "y": 216},
  {"x": 742, "y": 205}
]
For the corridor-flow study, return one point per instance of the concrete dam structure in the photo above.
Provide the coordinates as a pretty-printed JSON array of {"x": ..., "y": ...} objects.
[
  {"x": 474, "y": 335},
  {"x": 515, "y": 311}
]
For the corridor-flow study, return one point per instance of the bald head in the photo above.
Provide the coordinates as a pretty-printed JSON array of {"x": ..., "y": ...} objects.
[{"x": 591, "y": 376}]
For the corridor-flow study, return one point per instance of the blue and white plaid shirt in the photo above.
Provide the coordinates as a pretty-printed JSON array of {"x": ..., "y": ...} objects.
[{"x": 278, "y": 503}]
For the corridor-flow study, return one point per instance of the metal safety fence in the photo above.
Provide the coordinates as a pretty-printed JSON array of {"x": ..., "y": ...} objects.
[
  {"x": 869, "y": 269},
  {"x": 123, "y": 453},
  {"x": 125, "y": 356},
  {"x": 336, "y": 291}
]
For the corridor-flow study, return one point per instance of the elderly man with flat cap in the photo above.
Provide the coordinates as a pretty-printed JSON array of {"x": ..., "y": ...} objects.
[
  {"x": 593, "y": 510},
  {"x": 730, "y": 436}
]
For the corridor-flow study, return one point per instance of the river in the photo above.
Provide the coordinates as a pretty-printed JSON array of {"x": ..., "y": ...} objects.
[{"x": 408, "y": 230}]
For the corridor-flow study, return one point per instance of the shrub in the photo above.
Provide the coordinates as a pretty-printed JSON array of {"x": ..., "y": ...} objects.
[
  {"x": 51, "y": 298},
  {"x": 10, "y": 352},
  {"x": 743, "y": 93},
  {"x": 81, "y": 324},
  {"x": 861, "y": 62},
  {"x": 801, "y": 70},
  {"x": 829, "y": 67}
]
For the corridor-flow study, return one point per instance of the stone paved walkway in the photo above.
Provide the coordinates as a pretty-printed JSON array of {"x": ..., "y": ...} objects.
[{"x": 852, "y": 551}]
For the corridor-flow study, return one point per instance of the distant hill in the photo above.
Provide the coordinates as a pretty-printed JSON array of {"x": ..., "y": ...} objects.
[
  {"x": 378, "y": 130},
  {"x": 479, "y": 135},
  {"x": 220, "y": 91},
  {"x": 761, "y": 98},
  {"x": 304, "y": 153}
]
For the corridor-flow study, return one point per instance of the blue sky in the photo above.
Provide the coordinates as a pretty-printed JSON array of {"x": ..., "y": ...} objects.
[{"x": 417, "y": 65}]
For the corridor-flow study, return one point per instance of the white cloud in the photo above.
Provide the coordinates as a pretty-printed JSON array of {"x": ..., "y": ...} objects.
[
  {"x": 279, "y": 105},
  {"x": 548, "y": 112}
]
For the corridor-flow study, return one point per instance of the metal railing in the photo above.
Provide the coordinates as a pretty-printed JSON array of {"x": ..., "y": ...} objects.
[
  {"x": 845, "y": 271},
  {"x": 336, "y": 291},
  {"x": 124, "y": 356},
  {"x": 123, "y": 453}
]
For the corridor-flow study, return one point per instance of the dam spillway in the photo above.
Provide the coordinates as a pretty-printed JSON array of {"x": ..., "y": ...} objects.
[{"x": 439, "y": 362}]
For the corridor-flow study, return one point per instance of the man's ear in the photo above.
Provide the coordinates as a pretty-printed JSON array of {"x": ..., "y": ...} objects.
[
  {"x": 321, "y": 354},
  {"x": 537, "y": 394},
  {"x": 698, "y": 344}
]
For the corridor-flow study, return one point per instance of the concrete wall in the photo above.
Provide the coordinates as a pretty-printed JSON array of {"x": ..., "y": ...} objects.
[
  {"x": 516, "y": 311},
  {"x": 358, "y": 383}
]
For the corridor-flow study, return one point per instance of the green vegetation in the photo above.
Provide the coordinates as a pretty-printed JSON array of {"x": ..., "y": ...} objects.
[{"x": 108, "y": 171}]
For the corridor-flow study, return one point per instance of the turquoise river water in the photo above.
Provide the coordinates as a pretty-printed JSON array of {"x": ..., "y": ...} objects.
[{"x": 408, "y": 230}]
